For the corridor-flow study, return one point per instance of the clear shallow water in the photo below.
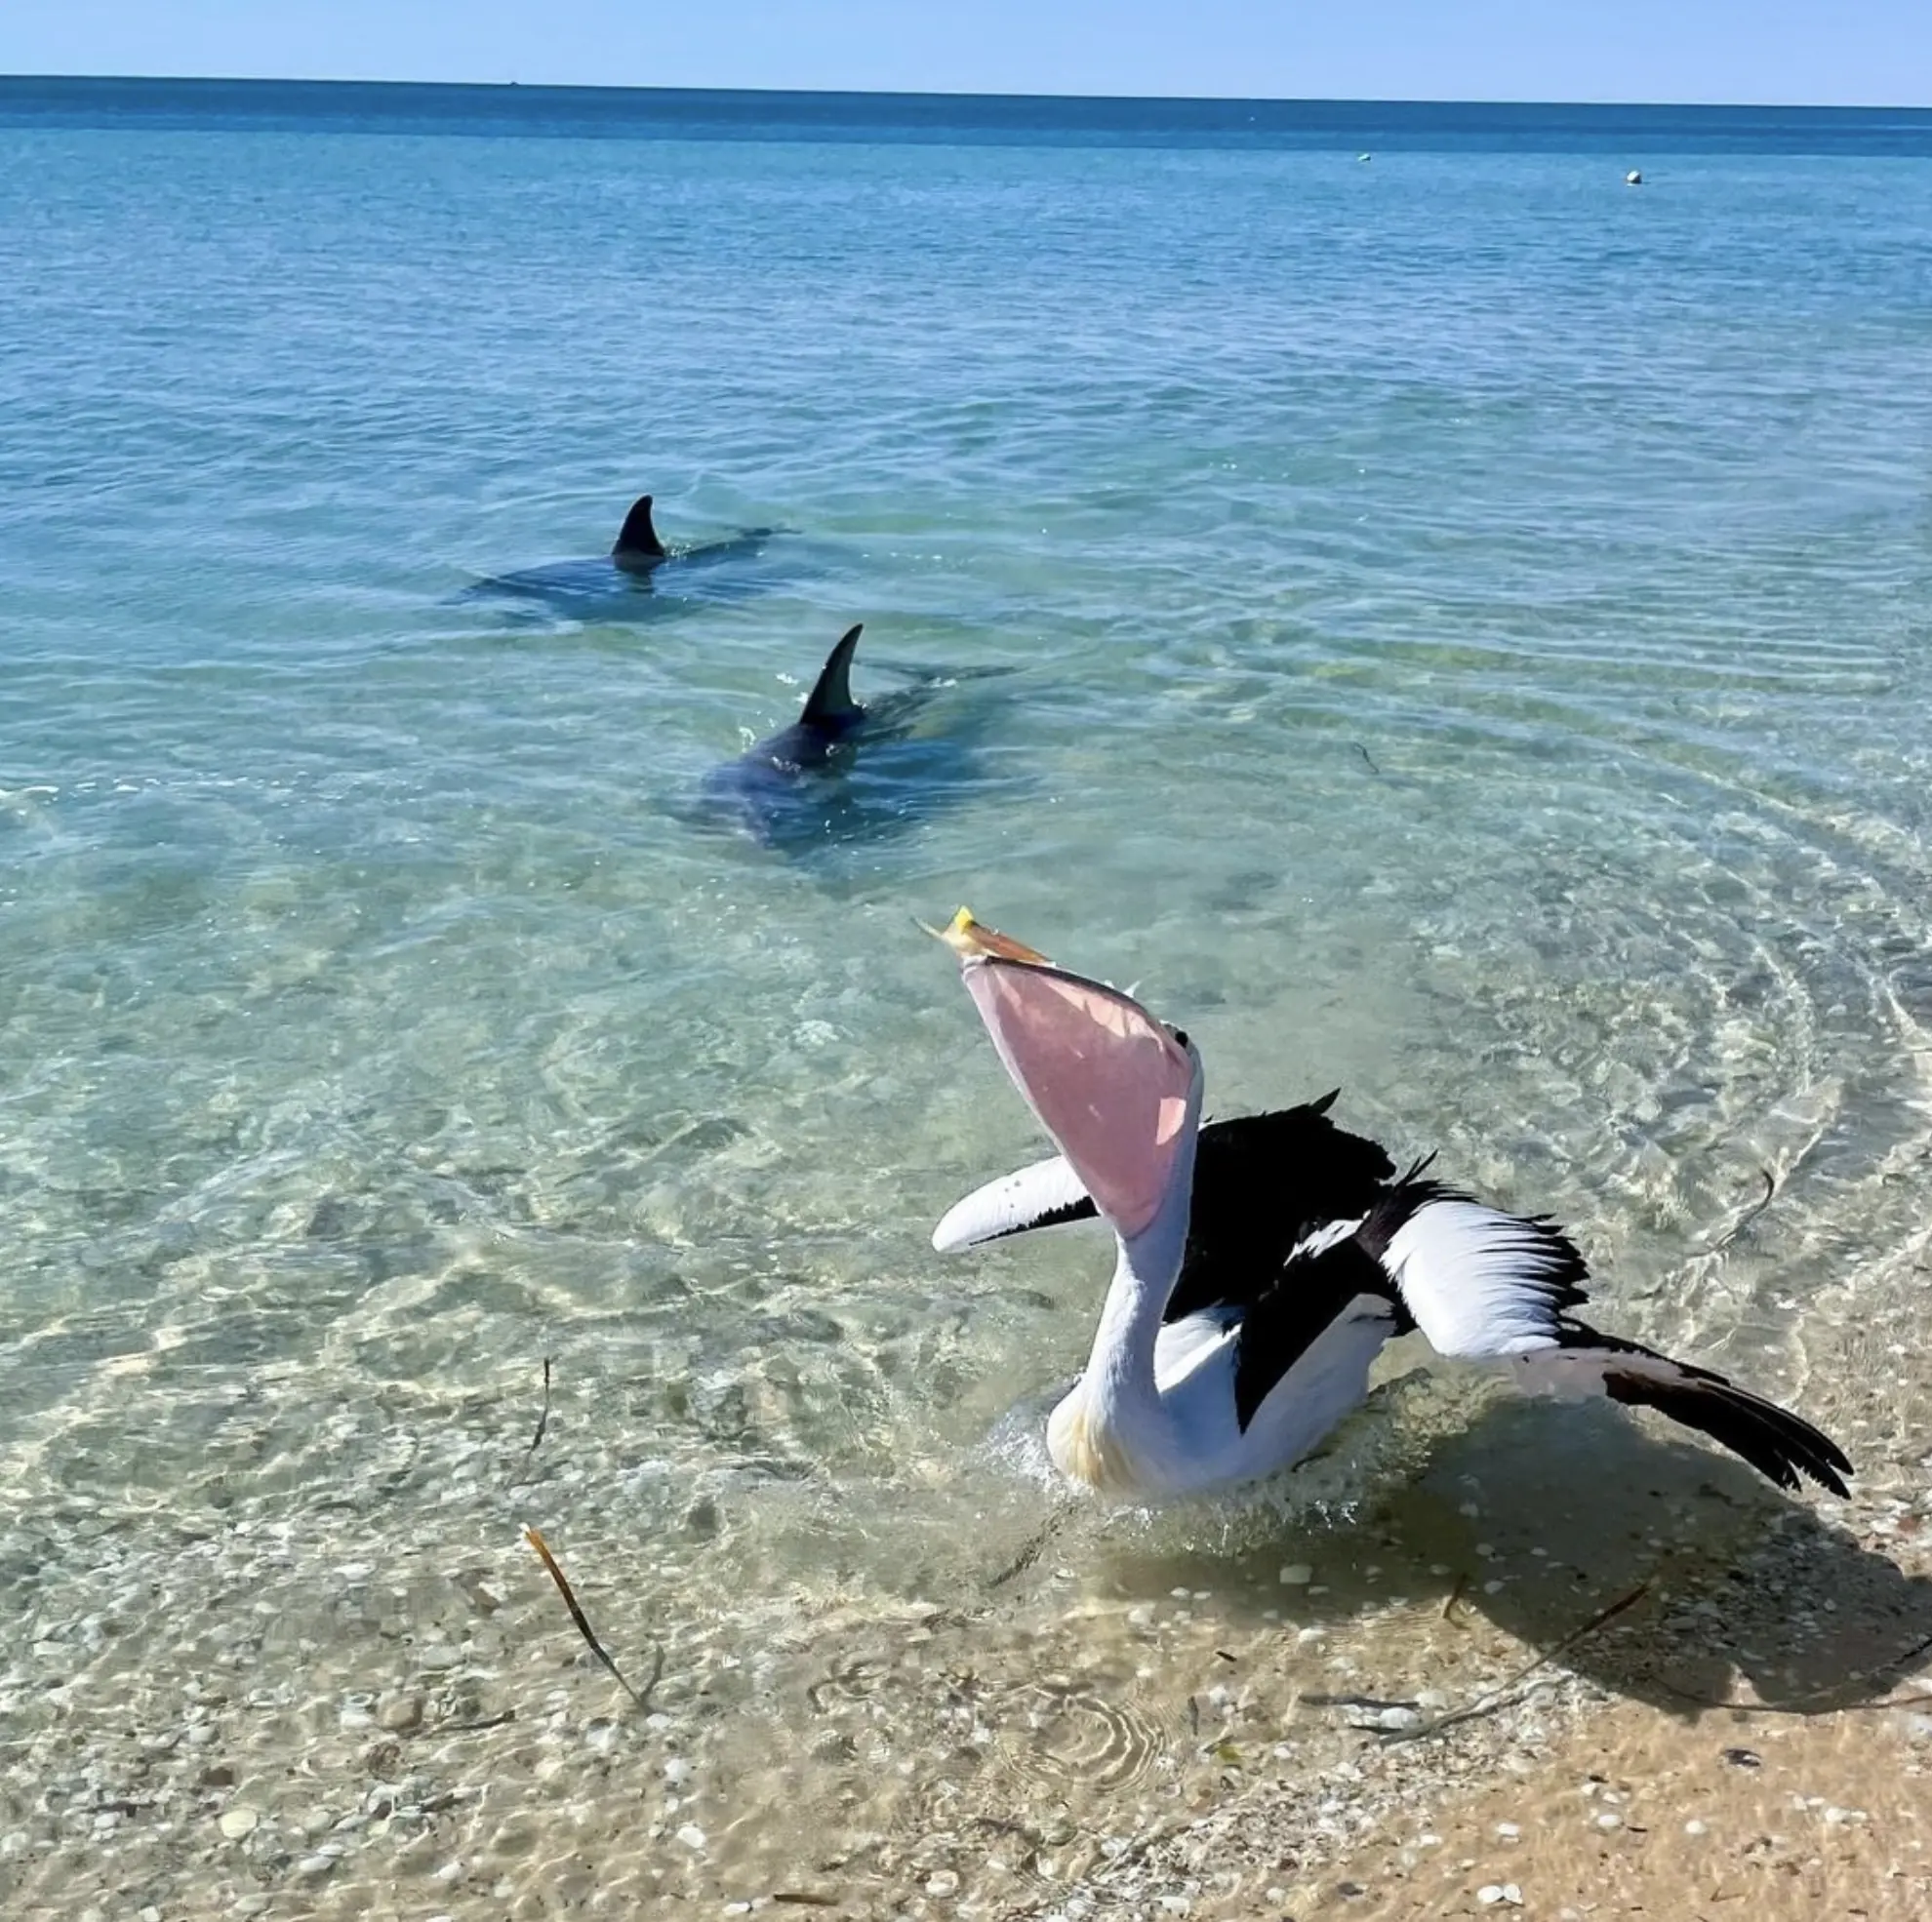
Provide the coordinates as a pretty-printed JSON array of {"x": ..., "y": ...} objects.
[{"x": 1468, "y": 642}]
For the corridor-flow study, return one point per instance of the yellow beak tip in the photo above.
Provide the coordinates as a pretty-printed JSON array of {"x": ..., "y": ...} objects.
[{"x": 974, "y": 941}]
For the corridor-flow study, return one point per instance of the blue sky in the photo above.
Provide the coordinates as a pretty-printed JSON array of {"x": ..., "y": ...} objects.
[{"x": 1846, "y": 52}]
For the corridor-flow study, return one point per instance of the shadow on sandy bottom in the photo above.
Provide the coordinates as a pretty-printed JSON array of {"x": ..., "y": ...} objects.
[{"x": 1658, "y": 1570}]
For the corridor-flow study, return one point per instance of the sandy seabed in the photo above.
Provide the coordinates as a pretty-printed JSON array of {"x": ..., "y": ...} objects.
[{"x": 1673, "y": 1693}]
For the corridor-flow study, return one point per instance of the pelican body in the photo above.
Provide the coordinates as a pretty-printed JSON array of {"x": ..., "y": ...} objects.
[{"x": 1263, "y": 1262}]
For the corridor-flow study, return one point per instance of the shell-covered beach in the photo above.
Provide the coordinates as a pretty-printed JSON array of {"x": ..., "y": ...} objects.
[{"x": 1464, "y": 633}]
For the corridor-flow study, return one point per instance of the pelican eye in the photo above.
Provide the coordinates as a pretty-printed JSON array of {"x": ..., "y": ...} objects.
[{"x": 1180, "y": 1034}]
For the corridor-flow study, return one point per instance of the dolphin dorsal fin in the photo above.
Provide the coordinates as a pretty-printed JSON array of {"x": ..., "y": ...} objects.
[
  {"x": 638, "y": 539},
  {"x": 830, "y": 703}
]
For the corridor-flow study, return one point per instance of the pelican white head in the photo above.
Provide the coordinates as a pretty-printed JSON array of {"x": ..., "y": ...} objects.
[{"x": 1121, "y": 1093}]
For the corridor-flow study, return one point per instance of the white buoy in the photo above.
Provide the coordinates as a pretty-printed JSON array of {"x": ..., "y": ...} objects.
[
  {"x": 1365, "y": 156},
  {"x": 1633, "y": 179}
]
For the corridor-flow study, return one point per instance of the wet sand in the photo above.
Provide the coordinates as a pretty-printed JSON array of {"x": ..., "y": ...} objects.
[{"x": 1732, "y": 1814}]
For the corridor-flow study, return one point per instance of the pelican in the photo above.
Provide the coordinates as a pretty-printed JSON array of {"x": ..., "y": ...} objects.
[{"x": 1263, "y": 1262}]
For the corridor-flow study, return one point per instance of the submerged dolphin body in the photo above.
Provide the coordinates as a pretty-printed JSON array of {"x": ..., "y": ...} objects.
[
  {"x": 624, "y": 583},
  {"x": 847, "y": 768}
]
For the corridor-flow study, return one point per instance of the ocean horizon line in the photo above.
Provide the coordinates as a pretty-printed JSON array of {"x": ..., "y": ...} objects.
[{"x": 668, "y": 90}]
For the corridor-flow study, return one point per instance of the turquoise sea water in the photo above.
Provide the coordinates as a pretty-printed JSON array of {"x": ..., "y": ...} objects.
[{"x": 1467, "y": 622}]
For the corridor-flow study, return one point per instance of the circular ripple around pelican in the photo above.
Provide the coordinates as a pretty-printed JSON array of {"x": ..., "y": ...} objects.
[
  {"x": 852, "y": 1679},
  {"x": 1080, "y": 1736}
]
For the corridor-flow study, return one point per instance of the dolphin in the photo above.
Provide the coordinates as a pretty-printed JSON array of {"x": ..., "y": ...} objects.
[
  {"x": 638, "y": 552},
  {"x": 846, "y": 767},
  {"x": 629, "y": 571},
  {"x": 828, "y": 723}
]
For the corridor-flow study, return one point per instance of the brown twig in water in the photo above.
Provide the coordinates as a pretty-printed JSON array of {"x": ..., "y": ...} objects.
[
  {"x": 583, "y": 1629},
  {"x": 1367, "y": 756},
  {"x": 1492, "y": 1699},
  {"x": 1454, "y": 1595}
]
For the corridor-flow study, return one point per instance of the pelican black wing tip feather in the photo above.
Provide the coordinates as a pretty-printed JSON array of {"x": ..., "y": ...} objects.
[{"x": 1780, "y": 1446}]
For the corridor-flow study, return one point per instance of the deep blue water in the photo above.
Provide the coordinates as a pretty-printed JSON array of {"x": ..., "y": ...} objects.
[{"x": 964, "y": 119}]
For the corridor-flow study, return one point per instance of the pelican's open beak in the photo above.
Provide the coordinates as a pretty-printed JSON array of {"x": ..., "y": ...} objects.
[{"x": 1117, "y": 1090}]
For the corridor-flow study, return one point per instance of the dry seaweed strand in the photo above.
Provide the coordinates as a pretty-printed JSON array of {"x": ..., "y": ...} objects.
[
  {"x": 1804, "y": 1709},
  {"x": 583, "y": 1629},
  {"x": 526, "y": 1467},
  {"x": 474, "y": 1724},
  {"x": 544, "y": 1419},
  {"x": 1751, "y": 1212},
  {"x": 1816, "y": 1707},
  {"x": 1369, "y": 1701},
  {"x": 1493, "y": 1698},
  {"x": 1032, "y": 1549}
]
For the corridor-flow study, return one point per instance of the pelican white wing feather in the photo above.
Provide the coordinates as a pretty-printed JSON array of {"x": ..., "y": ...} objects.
[{"x": 1479, "y": 1282}]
